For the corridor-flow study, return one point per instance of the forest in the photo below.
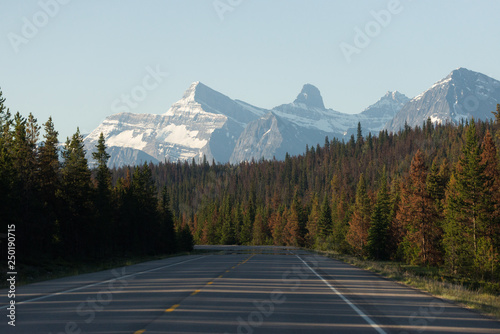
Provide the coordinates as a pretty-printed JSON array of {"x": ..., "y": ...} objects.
[
  {"x": 62, "y": 209},
  {"x": 427, "y": 196}
]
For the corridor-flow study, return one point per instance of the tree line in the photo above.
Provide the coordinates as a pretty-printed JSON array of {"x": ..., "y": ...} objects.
[
  {"x": 427, "y": 195},
  {"x": 61, "y": 208}
]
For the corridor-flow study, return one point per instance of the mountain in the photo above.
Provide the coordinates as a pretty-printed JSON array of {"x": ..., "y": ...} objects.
[
  {"x": 377, "y": 115},
  {"x": 290, "y": 127},
  {"x": 207, "y": 123},
  {"x": 463, "y": 94},
  {"x": 203, "y": 122},
  {"x": 306, "y": 121}
]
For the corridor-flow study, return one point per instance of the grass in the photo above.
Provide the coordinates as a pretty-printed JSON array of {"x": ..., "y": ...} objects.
[
  {"x": 50, "y": 268},
  {"x": 485, "y": 299}
]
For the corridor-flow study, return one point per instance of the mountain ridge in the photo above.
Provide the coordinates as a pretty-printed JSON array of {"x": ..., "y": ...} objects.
[{"x": 207, "y": 123}]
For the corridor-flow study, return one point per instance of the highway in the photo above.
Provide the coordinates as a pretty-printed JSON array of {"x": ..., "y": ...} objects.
[{"x": 236, "y": 289}]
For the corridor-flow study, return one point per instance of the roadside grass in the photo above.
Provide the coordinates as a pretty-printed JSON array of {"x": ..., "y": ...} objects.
[
  {"x": 484, "y": 299},
  {"x": 52, "y": 268}
]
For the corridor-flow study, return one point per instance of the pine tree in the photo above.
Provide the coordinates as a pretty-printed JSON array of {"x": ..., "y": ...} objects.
[
  {"x": 144, "y": 196},
  {"x": 359, "y": 224},
  {"x": 467, "y": 207},
  {"x": 487, "y": 259},
  {"x": 312, "y": 226},
  {"x": 103, "y": 199},
  {"x": 380, "y": 220},
  {"x": 294, "y": 236},
  {"x": 259, "y": 234},
  {"x": 418, "y": 215},
  {"x": 76, "y": 225},
  {"x": 227, "y": 228},
  {"x": 325, "y": 219},
  {"x": 49, "y": 183},
  {"x": 167, "y": 235}
]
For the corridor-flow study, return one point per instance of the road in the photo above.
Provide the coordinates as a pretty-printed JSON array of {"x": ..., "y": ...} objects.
[{"x": 237, "y": 290}]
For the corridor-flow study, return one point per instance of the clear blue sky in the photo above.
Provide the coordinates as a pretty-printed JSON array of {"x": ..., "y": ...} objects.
[{"x": 85, "y": 54}]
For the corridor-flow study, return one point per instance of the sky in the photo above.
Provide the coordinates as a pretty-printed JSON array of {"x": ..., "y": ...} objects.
[{"x": 80, "y": 61}]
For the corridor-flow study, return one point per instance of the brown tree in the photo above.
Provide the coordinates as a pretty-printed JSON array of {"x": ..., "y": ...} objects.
[{"x": 418, "y": 216}]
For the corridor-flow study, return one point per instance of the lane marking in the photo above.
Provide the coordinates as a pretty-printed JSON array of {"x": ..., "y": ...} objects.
[
  {"x": 347, "y": 301},
  {"x": 99, "y": 283},
  {"x": 209, "y": 283},
  {"x": 220, "y": 276},
  {"x": 172, "y": 308},
  {"x": 195, "y": 292},
  {"x": 227, "y": 271},
  {"x": 140, "y": 331}
]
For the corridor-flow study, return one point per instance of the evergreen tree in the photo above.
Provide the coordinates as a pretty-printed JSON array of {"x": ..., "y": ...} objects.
[
  {"x": 359, "y": 224},
  {"x": 103, "y": 199},
  {"x": 227, "y": 228},
  {"x": 259, "y": 234},
  {"x": 325, "y": 219},
  {"x": 144, "y": 196},
  {"x": 167, "y": 235},
  {"x": 77, "y": 227},
  {"x": 294, "y": 236},
  {"x": 380, "y": 220},
  {"x": 184, "y": 239},
  {"x": 468, "y": 203},
  {"x": 487, "y": 259},
  {"x": 49, "y": 183},
  {"x": 417, "y": 214},
  {"x": 312, "y": 226}
]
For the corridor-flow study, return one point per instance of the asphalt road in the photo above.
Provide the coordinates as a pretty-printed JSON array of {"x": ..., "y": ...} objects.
[{"x": 238, "y": 290}]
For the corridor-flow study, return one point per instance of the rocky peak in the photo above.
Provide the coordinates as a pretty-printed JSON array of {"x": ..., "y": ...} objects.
[{"x": 310, "y": 96}]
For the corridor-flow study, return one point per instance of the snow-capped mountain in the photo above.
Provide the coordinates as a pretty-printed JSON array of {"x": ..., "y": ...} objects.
[
  {"x": 306, "y": 121},
  {"x": 203, "y": 122},
  {"x": 377, "y": 115},
  {"x": 462, "y": 94},
  {"x": 207, "y": 123},
  {"x": 290, "y": 127}
]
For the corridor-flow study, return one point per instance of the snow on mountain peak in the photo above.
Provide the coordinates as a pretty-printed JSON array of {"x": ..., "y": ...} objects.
[
  {"x": 310, "y": 96},
  {"x": 391, "y": 103}
]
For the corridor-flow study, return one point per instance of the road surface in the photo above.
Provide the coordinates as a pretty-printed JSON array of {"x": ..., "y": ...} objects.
[{"x": 237, "y": 290}]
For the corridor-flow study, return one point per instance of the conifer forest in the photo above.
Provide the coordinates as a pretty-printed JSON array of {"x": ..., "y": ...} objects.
[{"x": 427, "y": 196}]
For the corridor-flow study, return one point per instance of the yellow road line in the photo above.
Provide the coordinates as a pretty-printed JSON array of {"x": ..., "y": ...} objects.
[
  {"x": 220, "y": 276},
  {"x": 210, "y": 283},
  {"x": 140, "y": 331},
  {"x": 195, "y": 292},
  {"x": 172, "y": 308}
]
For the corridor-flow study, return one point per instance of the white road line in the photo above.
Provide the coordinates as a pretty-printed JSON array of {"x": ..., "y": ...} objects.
[
  {"x": 99, "y": 283},
  {"x": 348, "y": 302}
]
